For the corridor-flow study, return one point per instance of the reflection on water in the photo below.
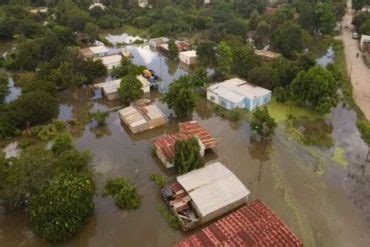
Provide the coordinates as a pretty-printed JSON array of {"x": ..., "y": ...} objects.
[
  {"x": 327, "y": 58},
  {"x": 14, "y": 91}
]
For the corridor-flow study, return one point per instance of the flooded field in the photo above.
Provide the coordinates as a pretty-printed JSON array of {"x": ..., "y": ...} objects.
[{"x": 316, "y": 191}]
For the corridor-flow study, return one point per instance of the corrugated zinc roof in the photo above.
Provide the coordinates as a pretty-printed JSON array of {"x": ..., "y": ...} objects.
[
  {"x": 194, "y": 128},
  {"x": 213, "y": 187},
  {"x": 167, "y": 143},
  {"x": 250, "y": 226},
  {"x": 99, "y": 49},
  {"x": 109, "y": 86},
  {"x": 132, "y": 116},
  {"x": 192, "y": 53}
]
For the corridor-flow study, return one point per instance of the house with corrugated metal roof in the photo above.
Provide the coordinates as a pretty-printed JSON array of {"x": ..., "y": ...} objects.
[
  {"x": 204, "y": 194},
  {"x": 254, "y": 224},
  {"x": 237, "y": 93},
  {"x": 164, "y": 146},
  {"x": 142, "y": 116}
]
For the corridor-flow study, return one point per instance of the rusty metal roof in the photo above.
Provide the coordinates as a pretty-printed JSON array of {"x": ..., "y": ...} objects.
[
  {"x": 250, "y": 226},
  {"x": 194, "y": 128},
  {"x": 167, "y": 143}
]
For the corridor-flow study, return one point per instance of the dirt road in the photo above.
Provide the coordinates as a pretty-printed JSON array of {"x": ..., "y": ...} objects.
[{"x": 357, "y": 70}]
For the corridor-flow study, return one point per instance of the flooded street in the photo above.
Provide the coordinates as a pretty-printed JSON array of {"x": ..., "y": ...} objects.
[{"x": 318, "y": 197}]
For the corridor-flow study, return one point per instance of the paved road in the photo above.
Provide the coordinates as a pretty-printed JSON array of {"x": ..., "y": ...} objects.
[{"x": 357, "y": 70}]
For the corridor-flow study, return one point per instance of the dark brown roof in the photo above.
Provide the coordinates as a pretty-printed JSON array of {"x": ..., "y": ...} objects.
[{"x": 253, "y": 225}]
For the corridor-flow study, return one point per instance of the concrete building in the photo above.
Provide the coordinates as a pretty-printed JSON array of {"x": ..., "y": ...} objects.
[
  {"x": 142, "y": 116},
  {"x": 158, "y": 41},
  {"x": 252, "y": 225},
  {"x": 111, "y": 61},
  {"x": 188, "y": 57},
  {"x": 237, "y": 93},
  {"x": 145, "y": 83},
  {"x": 164, "y": 146},
  {"x": 204, "y": 194},
  {"x": 109, "y": 88},
  {"x": 97, "y": 5},
  {"x": 99, "y": 51},
  {"x": 268, "y": 55},
  {"x": 364, "y": 42}
]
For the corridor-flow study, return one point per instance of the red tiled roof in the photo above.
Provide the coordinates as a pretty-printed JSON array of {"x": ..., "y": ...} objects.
[
  {"x": 166, "y": 143},
  {"x": 194, "y": 128},
  {"x": 253, "y": 225}
]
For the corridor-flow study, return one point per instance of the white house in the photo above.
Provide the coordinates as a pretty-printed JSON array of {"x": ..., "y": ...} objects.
[
  {"x": 188, "y": 57},
  {"x": 111, "y": 61},
  {"x": 237, "y": 93},
  {"x": 97, "y": 5},
  {"x": 143, "y": 3},
  {"x": 365, "y": 41},
  {"x": 109, "y": 88},
  {"x": 99, "y": 51}
]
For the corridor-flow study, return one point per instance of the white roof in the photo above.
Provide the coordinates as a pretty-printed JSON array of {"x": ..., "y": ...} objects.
[
  {"x": 164, "y": 46},
  {"x": 143, "y": 80},
  {"x": 153, "y": 112},
  {"x": 109, "y": 86},
  {"x": 99, "y": 49},
  {"x": 192, "y": 53},
  {"x": 237, "y": 89},
  {"x": 212, "y": 187},
  {"x": 365, "y": 38},
  {"x": 100, "y": 5},
  {"x": 132, "y": 116},
  {"x": 112, "y": 59}
]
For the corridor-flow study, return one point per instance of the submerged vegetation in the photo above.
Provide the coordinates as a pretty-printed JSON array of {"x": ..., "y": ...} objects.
[{"x": 123, "y": 193}]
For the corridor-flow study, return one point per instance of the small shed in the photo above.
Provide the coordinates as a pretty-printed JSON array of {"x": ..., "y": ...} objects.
[
  {"x": 99, "y": 51},
  {"x": 145, "y": 83},
  {"x": 142, "y": 116},
  {"x": 252, "y": 225},
  {"x": 237, "y": 93},
  {"x": 364, "y": 42},
  {"x": 205, "y": 194},
  {"x": 164, "y": 146},
  {"x": 188, "y": 57},
  {"x": 111, "y": 61},
  {"x": 109, "y": 88}
]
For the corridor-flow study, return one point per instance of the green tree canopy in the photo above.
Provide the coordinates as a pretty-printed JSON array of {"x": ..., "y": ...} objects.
[
  {"x": 187, "y": 156},
  {"x": 317, "y": 86},
  {"x": 365, "y": 28},
  {"x": 58, "y": 211},
  {"x": 180, "y": 98},
  {"x": 224, "y": 59},
  {"x": 130, "y": 89},
  {"x": 262, "y": 123},
  {"x": 324, "y": 18},
  {"x": 288, "y": 38},
  {"x": 173, "y": 51}
]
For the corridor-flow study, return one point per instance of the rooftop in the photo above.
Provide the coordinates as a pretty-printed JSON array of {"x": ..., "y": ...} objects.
[
  {"x": 191, "y": 53},
  {"x": 138, "y": 114},
  {"x": 112, "y": 59},
  {"x": 109, "y": 86},
  {"x": 167, "y": 143},
  {"x": 250, "y": 226},
  {"x": 237, "y": 89},
  {"x": 195, "y": 129},
  {"x": 212, "y": 187},
  {"x": 99, "y": 49},
  {"x": 267, "y": 54}
]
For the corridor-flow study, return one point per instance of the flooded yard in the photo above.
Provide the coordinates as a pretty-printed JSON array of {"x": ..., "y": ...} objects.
[{"x": 325, "y": 208}]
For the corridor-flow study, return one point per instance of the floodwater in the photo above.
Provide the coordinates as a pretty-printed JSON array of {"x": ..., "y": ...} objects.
[
  {"x": 323, "y": 202},
  {"x": 14, "y": 91},
  {"x": 327, "y": 58}
]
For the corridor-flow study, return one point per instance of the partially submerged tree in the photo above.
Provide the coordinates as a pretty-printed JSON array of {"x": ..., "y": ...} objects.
[
  {"x": 58, "y": 211},
  {"x": 180, "y": 98},
  {"x": 130, "y": 89},
  {"x": 263, "y": 124},
  {"x": 187, "y": 156},
  {"x": 173, "y": 51},
  {"x": 123, "y": 193}
]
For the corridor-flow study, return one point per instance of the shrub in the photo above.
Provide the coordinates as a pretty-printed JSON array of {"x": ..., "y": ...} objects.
[
  {"x": 62, "y": 142},
  {"x": 123, "y": 193},
  {"x": 187, "y": 156},
  {"x": 158, "y": 179}
]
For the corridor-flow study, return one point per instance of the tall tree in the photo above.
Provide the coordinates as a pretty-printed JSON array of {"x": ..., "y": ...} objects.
[
  {"x": 187, "y": 156},
  {"x": 288, "y": 38},
  {"x": 130, "y": 89},
  {"x": 263, "y": 123},
  {"x": 224, "y": 59},
  {"x": 325, "y": 18}
]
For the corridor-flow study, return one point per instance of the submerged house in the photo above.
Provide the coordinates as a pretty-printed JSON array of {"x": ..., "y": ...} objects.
[
  {"x": 142, "y": 116},
  {"x": 164, "y": 146},
  {"x": 99, "y": 51},
  {"x": 111, "y": 61},
  {"x": 188, "y": 57},
  {"x": 254, "y": 224},
  {"x": 158, "y": 41},
  {"x": 237, "y": 93},
  {"x": 204, "y": 194}
]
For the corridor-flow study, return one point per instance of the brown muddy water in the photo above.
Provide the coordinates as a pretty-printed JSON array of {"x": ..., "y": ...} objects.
[{"x": 318, "y": 194}]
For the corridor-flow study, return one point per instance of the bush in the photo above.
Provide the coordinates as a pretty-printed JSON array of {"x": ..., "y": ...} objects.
[
  {"x": 130, "y": 89},
  {"x": 123, "y": 193},
  {"x": 364, "y": 128},
  {"x": 72, "y": 161},
  {"x": 158, "y": 179},
  {"x": 62, "y": 143},
  {"x": 57, "y": 212}
]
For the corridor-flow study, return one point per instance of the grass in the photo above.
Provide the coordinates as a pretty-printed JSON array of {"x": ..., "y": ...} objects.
[
  {"x": 169, "y": 217},
  {"x": 338, "y": 157}
]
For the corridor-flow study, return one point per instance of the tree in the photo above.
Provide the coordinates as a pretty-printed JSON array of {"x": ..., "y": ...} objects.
[
  {"x": 244, "y": 60},
  {"x": 59, "y": 210},
  {"x": 224, "y": 59},
  {"x": 72, "y": 161},
  {"x": 123, "y": 193},
  {"x": 180, "y": 98},
  {"x": 3, "y": 87},
  {"x": 130, "y": 89},
  {"x": 206, "y": 52},
  {"x": 286, "y": 71},
  {"x": 253, "y": 20},
  {"x": 62, "y": 143},
  {"x": 262, "y": 123},
  {"x": 173, "y": 51},
  {"x": 187, "y": 156},
  {"x": 200, "y": 78},
  {"x": 317, "y": 86},
  {"x": 306, "y": 15},
  {"x": 32, "y": 108},
  {"x": 264, "y": 76},
  {"x": 288, "y": 38},
  {"x": 365, "y": 28},
  {"x": 324, "y": 18}
]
